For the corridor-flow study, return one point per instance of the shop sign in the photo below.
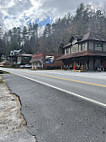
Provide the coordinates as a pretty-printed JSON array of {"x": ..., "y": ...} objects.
[{"x": 49, "y": 59}]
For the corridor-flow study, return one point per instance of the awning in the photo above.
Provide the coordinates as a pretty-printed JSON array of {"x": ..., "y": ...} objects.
[{"x": 81, "y": 54}]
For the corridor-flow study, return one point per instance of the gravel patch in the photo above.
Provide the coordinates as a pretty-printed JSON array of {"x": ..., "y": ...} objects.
[
  {"x": 10, "y": 118},
  {"x": 12, "y": 123}
]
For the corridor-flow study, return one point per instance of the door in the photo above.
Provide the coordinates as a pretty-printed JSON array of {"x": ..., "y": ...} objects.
[
  {"x": 74, "y": 65},
  {"x": 104, "y": 64}
]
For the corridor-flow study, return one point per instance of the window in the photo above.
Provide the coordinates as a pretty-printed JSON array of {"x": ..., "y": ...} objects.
[
  {"x": 98, "y": 46},
  {"x": 83, "y": 47},
  {"x": 67, "y": 50},
  {"x": 74, "y": 48}
]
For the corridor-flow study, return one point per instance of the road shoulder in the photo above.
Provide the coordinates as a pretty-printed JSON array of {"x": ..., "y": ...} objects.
[{"x": 12, "y": 123}]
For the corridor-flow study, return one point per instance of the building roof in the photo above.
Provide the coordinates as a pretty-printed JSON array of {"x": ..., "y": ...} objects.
[
  {"x": 38, "y": 55},
  {"x": 21, "y": 55},
  {"x": 67, "y": 45},
  {"x": 93, "y": 36},
  {"x": 81, "y": 54},
  {"x": 79, "y": 37},
  {"x": 87, "y": 36},
  {"x": 26, "y": 55},
  {"x": 16, "y": 52}
]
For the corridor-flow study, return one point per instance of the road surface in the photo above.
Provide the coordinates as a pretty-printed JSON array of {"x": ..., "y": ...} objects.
[{"x": 61, "y": 106}]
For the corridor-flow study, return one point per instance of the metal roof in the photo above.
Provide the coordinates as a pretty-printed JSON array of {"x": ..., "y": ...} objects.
[
  {"x": 87, "y": 36},
  {"x": 81, "y": 54},
  {"x": 93, "y": 36}
]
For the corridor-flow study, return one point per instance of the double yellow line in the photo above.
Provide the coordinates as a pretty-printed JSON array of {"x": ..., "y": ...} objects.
[{"x": 72, "y": 80}]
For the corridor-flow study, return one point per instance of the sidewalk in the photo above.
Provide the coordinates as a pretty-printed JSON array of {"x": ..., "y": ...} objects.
[{"x": 12, "y": 123}]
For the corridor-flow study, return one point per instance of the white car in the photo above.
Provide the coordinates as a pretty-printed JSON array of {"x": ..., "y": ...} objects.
[
  {"x": 27, "y": 66},
  {"x": 22, "y": 66}
]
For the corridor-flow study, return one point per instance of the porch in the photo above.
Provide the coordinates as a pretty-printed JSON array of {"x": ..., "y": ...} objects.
[{"x": 86, "y": 63}]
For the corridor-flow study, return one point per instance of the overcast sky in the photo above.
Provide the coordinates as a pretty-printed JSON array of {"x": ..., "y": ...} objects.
[{"x": 21, "y": 12}]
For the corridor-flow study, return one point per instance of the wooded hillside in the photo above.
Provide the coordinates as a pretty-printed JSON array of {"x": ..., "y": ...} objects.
[{"x": 55, "y": 35}]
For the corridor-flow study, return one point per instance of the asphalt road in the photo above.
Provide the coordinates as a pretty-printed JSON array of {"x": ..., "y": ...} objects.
[{"x": 52, "y": 113}]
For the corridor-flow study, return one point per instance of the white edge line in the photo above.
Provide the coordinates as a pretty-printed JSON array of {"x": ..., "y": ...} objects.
[{"x": 63, "y": 90}]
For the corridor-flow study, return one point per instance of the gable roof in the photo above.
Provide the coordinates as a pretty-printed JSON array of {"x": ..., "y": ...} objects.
[
  {"x": 37, "y": 55},
  {"x": 16, "y": 52},
  {"x": 78, "y": 37}
]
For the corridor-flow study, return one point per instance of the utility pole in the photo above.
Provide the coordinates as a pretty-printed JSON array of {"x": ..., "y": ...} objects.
[{"x": 1, "y": 21}]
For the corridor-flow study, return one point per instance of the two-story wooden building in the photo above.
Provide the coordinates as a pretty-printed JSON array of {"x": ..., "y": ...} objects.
[
  {"x": 19, "y": 57},
  {"x": 88, "y": 50}
]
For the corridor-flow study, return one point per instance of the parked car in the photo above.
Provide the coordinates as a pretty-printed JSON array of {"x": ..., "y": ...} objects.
[
  {"x": 22, "y": 66},
  {"x": 28, "y": 66}
]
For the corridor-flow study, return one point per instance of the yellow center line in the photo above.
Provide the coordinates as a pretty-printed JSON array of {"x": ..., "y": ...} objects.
[{"x": 72, "y": 80}]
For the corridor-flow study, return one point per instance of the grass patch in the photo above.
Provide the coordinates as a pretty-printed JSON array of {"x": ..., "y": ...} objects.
[
  {"x": 1, "y": 81},
  {"x": 3, "y": 72}
]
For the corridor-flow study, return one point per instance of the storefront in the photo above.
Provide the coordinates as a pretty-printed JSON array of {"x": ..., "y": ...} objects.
[
  {"x": 90, "y": 60},
  {"x": 46, "y": 61}
]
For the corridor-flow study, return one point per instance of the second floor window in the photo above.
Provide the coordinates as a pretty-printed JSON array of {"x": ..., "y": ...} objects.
[
  {"x": 67, "y": 50},
  {"x": 98, "y": 45},
  {"x": 83, "y": 47}
]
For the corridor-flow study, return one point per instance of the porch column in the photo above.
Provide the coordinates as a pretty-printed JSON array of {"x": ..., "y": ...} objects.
[
  {"x": 101, "y": 61},
  {"x": 87, "y": 62},
  {"x": 94, "y": 63}
]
